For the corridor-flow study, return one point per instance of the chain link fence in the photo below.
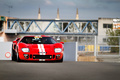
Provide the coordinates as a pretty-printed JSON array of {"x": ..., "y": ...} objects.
[{"x": 109, "y": 45}]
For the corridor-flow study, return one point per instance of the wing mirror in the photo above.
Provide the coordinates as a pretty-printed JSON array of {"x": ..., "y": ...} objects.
[
  {"x": 14, "y": 41},
  {"x": 62, "y": 42}
]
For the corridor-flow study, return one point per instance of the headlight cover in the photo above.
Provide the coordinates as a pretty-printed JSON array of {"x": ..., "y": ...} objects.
[
  {"x": 57, "y": 50},
  {"x": 25, "y": 50}
]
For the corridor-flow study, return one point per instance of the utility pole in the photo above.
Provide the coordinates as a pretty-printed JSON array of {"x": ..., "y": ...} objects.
[{"x": 10, "y": 7}]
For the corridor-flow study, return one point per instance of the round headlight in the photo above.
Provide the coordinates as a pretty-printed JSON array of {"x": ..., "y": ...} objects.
[
  {"x": 57, "y": 50},
  {"x": 25, "y": 50}
]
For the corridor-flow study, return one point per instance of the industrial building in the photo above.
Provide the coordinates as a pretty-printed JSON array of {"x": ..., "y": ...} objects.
[{"x": 3, "y": 26}]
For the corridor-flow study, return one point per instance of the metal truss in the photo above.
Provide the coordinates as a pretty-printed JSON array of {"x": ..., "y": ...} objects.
[{"x": 61, "y": 32}]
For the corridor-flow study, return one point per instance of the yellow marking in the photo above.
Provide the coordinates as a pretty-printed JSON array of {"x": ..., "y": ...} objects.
[{"x": 37, "y": 37}]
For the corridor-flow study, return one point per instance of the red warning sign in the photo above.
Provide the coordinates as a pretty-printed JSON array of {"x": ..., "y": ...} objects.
[{"x": 7, "y": 54}]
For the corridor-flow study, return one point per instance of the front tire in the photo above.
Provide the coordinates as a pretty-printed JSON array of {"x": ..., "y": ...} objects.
[
  {"x": 18, "y": 59},
  {"x": 61, "y": 60},
  {"x": 13, "y": 55}
]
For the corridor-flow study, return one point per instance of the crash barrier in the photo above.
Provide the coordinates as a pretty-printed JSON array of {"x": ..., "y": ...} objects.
[
  {"x": 70, "y": 51},
  {"x": 91, "y": 48},
  {"x": 5, "y": 50}
]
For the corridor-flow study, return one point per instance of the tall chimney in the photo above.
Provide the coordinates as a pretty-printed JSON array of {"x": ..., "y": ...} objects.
[
  {"x": 58, "y": 16},
  {"x": 77, "y": 15},
  {"x": 39, "y": 16}
]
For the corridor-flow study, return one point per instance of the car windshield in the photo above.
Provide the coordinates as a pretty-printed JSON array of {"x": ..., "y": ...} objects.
[{"x": 38, "y": 40}]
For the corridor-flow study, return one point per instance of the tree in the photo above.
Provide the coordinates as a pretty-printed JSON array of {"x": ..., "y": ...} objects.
[{"x": 113, "y": 40}]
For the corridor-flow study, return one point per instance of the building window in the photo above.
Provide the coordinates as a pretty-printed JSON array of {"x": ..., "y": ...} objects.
[
  {"x": 104, "y": 40},
  {"x": 107, "y": 25},
  {"x": 64, "y": 26}
]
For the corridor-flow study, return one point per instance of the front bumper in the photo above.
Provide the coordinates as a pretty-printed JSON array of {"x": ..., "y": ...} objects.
[{"x": 37, "y": 57}]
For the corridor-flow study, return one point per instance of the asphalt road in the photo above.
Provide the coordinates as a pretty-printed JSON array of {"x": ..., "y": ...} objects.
[{"x": 10, "y": 70}]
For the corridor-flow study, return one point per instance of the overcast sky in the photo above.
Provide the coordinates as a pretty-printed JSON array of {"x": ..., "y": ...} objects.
[{"x": 88, "y": 9}]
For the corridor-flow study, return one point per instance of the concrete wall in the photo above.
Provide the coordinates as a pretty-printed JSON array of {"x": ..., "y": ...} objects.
[
  {"x": 70, "y": 51},
  {"x": 101, "y": 30},
  {"x": 5, "y": 47}
]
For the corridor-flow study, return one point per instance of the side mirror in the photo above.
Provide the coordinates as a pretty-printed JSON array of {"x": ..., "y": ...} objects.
[
  {"x": 14, "y": 41},
  {"x": 62, "y": 42}
]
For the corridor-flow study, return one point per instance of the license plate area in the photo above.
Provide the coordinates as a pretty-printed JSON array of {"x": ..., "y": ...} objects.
[{"x": 42, "y": 56}]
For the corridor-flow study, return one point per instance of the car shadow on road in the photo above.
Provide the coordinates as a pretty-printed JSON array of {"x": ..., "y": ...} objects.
[{"x": 38, "y": 62}]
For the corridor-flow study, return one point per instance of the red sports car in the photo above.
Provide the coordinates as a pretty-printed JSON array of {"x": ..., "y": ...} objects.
[{"x": 37, "y": 48}]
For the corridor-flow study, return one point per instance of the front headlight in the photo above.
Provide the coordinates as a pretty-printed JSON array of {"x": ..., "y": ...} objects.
[
  {"x": 25, "y": 50},
  {"x": 57, "y": 50}
]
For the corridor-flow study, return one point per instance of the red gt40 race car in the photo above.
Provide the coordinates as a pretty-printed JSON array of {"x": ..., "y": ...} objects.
[{"x": 37, "y": 48}]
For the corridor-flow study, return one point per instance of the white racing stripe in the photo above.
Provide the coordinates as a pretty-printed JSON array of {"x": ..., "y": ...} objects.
[
  {"x": 41, "y": 50},
  {"x": 39, "y": 47}
]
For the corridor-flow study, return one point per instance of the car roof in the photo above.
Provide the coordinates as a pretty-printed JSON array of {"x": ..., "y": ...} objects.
[{"x": 36, "y": 35}]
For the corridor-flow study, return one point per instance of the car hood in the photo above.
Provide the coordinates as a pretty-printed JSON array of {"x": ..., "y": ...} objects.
[{"x": 41, "y": 48}]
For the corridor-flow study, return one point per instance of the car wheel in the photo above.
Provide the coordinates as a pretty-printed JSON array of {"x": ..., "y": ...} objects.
[
  {"x": 61, "y": 60},
  {"x": 13, "y": 55},
  {"x": 18, "y": 59}
]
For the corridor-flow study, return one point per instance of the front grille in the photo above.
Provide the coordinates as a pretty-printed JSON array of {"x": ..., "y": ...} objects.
[
  {"x": 30, "y": 56},
  {"x": 42, "y": 56},
  {"x": 53, "y": 56}
]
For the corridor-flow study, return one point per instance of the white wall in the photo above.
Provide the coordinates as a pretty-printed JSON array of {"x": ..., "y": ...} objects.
[
  {"x": 101, "y": 30},
  {"x": 4, "y": 48}
]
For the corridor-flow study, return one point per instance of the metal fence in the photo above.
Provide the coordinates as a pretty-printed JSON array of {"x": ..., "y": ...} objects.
[
  {"x": 109, "y": 45},
  {"x": 86, "y": 45},
  {"x": 105, "y": 46}
]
